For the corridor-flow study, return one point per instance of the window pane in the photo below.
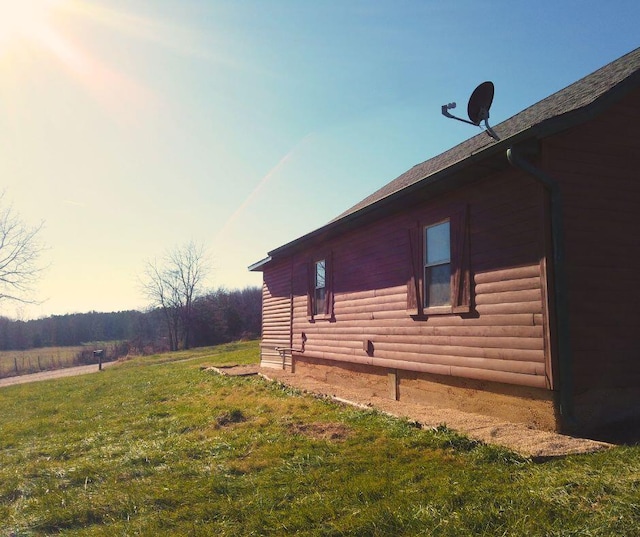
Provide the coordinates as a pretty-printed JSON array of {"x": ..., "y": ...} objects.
[
  {"x": 319, "y": 298},
  {"x": 320, "y": 301},
  {"x": 438, "y": 250},
  {"x": 437, "y": 285},
  {"x": 320, "y": 274}
]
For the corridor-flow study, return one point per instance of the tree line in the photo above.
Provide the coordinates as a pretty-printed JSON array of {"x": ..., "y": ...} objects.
[
  {"x": 180, "y": 315},
  {"x": 215, "y": 317}
]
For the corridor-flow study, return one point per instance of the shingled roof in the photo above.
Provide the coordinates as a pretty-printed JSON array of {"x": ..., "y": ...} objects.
[
  {"x": 577, "y": 96},
  {"x": 572, "y": 105}
]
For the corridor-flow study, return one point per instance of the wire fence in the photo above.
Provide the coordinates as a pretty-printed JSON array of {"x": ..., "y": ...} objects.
[{"x": 15, "y": 363}]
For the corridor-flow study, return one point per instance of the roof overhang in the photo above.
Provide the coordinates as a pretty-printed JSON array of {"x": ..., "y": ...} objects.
[{"x": 259, "y": 265}]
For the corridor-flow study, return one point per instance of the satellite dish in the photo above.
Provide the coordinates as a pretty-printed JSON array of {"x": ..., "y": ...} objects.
[
  {"x": 477, "y": 109},
  {"x": 480, "y": 102}
]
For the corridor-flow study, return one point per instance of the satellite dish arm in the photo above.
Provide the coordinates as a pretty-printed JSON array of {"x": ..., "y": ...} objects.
[
  {"x": 491, "y": 132},
  {"x": 446, "y": 113},
  {"x": 484, "y": 116}
]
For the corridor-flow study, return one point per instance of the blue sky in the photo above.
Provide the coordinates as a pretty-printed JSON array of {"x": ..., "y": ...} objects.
[{"x": 130, "y": 127}]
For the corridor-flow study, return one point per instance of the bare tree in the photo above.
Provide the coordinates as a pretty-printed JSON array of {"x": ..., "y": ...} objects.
[
  {"x": 171, "y": 284},
  {"x": 20, "y": 250}
]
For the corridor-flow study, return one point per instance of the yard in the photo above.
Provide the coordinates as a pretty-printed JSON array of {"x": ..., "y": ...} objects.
[{"x": 162, "y": 446}]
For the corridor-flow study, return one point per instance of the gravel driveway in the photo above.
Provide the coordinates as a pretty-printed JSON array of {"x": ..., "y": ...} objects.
[{"x": 57, "y": 373}]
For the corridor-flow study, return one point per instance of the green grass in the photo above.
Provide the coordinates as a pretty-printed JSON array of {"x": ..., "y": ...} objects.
[{"x": 160, "y": 446}]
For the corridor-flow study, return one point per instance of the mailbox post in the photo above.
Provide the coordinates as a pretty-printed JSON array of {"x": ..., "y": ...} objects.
[{"x": 99, "y": 354}]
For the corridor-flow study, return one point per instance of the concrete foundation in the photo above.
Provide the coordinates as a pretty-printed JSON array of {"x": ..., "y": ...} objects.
[{"x": 531, "y": 406}]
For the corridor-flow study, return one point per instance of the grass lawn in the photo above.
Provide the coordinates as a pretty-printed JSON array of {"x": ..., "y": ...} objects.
[{"x": 159, "y": 446}]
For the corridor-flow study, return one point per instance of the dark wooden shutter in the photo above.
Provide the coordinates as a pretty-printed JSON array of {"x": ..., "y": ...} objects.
[
  {"x": 460, "y": 261},
  {"x": 414, "y": 285},
  {"x": 328, "y": 305},
  {"x": 311, "y": 287}
]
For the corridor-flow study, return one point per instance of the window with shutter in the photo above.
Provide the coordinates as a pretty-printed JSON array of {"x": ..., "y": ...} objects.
[
  {"x": 440, "y": 282},
  {"x": 320, "y": 293}
]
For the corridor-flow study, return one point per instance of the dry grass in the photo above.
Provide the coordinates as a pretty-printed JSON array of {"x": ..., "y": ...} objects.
[
  {"x": 165, "y": 447},
  {"x": 34, "y": 360}
]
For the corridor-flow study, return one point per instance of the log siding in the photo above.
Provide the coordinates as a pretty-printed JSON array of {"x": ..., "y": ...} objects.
[
  {"x": 503, "y": 336},
  {"x": 276, "y": 316}
]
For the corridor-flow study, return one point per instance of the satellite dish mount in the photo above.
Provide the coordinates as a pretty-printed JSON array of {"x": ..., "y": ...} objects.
[{"x": 477, "y": 109}]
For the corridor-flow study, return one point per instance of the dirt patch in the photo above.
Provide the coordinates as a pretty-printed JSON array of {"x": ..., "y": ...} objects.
[
  {"x": 527, "y": 441},
  {"x": 336, "y": 432},
  {"x": 232, "y": 416}
]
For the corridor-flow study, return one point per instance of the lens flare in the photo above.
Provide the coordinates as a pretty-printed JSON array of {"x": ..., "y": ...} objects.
[
  {"x": 37, "y": 31},
  {"x": 23, "y": 19}
]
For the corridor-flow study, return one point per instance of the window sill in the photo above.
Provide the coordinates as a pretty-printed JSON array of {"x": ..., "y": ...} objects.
[
  {"x": 440, "y": 310},
  {"x": 325, "y": 317}
]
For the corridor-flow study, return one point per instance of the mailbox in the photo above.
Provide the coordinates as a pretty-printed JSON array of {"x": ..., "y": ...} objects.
[{"x": 99, "y": 354}]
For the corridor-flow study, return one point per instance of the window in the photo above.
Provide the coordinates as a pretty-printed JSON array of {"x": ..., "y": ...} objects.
[
  {"x": 437, "y": 265},
  {"x": 320, "y": 287},
  {"x": 440, "y": 275}
]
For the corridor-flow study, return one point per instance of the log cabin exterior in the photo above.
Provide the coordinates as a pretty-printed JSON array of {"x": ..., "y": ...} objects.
[{"x": 500, "y": 277}]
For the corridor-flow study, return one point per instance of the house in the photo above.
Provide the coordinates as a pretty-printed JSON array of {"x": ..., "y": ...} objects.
[{"x": 500, "y": 277}]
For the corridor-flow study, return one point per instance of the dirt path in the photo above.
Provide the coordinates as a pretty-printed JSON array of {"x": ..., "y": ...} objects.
[
  {"x": 533, "y": 443},
  {"x": 57, "y": 373}
]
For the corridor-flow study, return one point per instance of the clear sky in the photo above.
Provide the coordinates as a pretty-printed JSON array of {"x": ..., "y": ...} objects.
[{"x": 133, "y": 126}]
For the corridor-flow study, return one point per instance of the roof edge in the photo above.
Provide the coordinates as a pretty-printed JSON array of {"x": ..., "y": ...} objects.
[{"x": 259, "y": 265}]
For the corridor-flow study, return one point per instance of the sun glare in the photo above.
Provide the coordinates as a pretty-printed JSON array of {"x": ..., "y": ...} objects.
[
  {"x": 34, "y": 33},
  {"x": 23, "y": 19}
]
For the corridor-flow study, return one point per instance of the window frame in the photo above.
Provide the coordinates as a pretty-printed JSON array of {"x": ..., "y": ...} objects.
[
  {"x": 427, "y": 266},
  {"x": 319, "y": 305},
  {"x": 460, "y": 274},
  {"x": 314, "y": 312}
]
